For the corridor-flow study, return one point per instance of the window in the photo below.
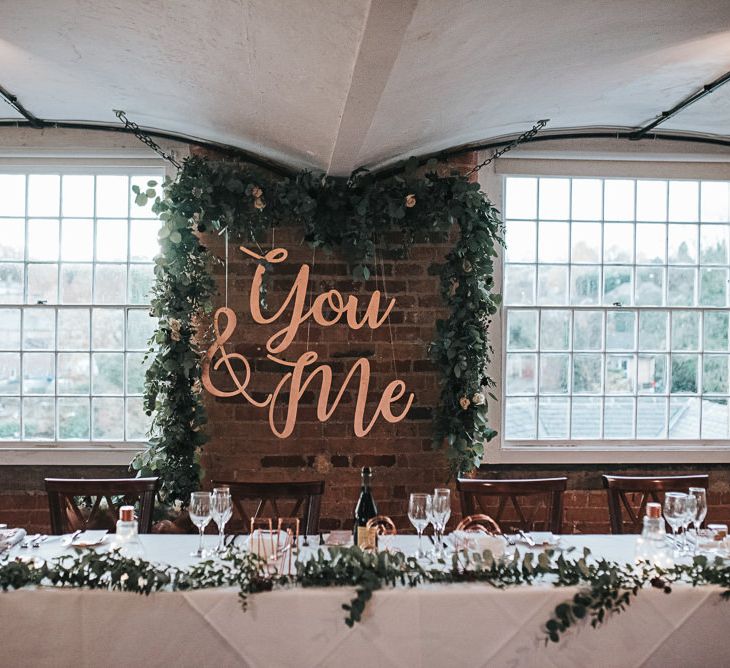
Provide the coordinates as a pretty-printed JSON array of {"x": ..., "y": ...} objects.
[
  {"x": 75, "y": 270},
  {"x": 616, "y": 311}
]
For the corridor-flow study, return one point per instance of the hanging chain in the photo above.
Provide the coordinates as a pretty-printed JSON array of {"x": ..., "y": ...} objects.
[
  {"x": 145, "y": 138},
  {"x": 525, "y": 136}
]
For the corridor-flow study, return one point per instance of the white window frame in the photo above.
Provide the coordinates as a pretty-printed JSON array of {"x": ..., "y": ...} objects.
[
  {"x": 99, "y": 160},
  {"x": 599, "y": 160}
]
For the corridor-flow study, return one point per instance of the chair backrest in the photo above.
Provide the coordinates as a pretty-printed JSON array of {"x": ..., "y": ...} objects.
[
  {"x": 304, "y": 499},
  {"x": 93, "y": 503},
  {"x": 384, "y": 526},
  {"x": 646, "y": 488},
  {"x": 480, "y": 523},
  {"x": 476, "y": 495}
]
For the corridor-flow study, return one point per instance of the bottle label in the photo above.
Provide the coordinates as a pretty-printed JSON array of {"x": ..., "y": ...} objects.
[{"x": 367, "y": 538}]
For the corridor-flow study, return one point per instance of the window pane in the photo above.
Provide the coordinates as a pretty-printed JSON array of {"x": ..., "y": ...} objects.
[
  {"x": 554, "y": 199},
  {"x": 651, "y": 200},
  {"x": 685, "y": 330},
  {"x": 107, "y": 373},
  {"x": 586, "y": 417},
  {"x": 44, "y": 193},
  {"x": 652, "y": 374},
  {"x": 617, "y": 286},
  {"x": 107, "y": 329},
  {"x": 39, "y": 329},
  {"x": 106, "y": 422},
  {"x": 77, "y": 196},
  {"x": 586, "y": 242},
  {"x": 521, "y": 198},
  {"x": 553, "y": 242},
  {"x": 620, "y": 330},
  {"x": 587, "y": 199},
  {"x": 519, "y": 418},
  {"x": 111, "y": 240},
  {"x": 684, "y": 374},
  {"x": 11, "y": 283},
  {"x": 43, "y": 239},
  {"x": 77, "y": 240},
  {"x": 713, "y": 244},
  {"x": 521, "y": 329},
  {"x": 584, "y": 286},
  {"x": 651, "y": 243},
  {"x": 73, "y": 329},
  {"x": 143, "y": 244},
  {"x": 73, "y": 373},
  {"x": 39, "y": 419},
  {"x": 12, "y": 195},
  {"x": 618, "y": 243},
  {"x": 110, "y": 281},
  {"x": 73, "y": 419},
  {"x": 9, "y": 373},
  {"x": 42, "y": 284},
  {"x": 140, "y": 327},
  {"x": 684, "y": 417},
  {"x": 555, "y": 330},
  {"x": 554, "y": 374},
  {"x": 12, "y": 239},
  {"x": 715, "y": 332},
  {"x": 588, "y": 330},
  {"x": 684, "y": 201},
  {"x": 619, "y": 418},
  {"x": 653, "y": 330},
  {"x": 519, "y": 285},
  {"x": 521, "y": 240},
  {"x": 618, "y": 200},
  {"x": 552, "y": 285},
  {"x": 39, "y": 370},
  {"x": 620, "y": 374},
  {"x": 521, "y": 374},
  {"x": 587, "y": 374},
  {"x": 141, "y": 278},
  {"x": 683, "y": 244},
  {"x": 136, "y": 368},
  {"x": 9, "y": 329},
  {"x": 554, "y": 417},
  {"x": 9, "y": 419},
  {"x": 649, "y": 286},
  {"x": 713, "y": 287},
  {"x": 76, "y": 287},
  {"x": 715, "y": 418},
  {"x": 681, "y": 286},
  {"x": 715, "y": 374},
  {"x": 112, "y": 196},
  {"x": 651, "y": 418},
  {"x": 715, "y": 197},
  {"x": 144, "y": 184},
  {"x": 137, "y": 421}
]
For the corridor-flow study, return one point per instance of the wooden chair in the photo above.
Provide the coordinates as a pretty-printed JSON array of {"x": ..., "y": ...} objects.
[
  {"x": 480, "y": 523},
  {"x": 304, "y": 498},
  {"x": 384, "y": 526},
  {"x": 475, "y": 493},
  {"x": 647, "y": 488},
  {"x": 77, "y": 503}
]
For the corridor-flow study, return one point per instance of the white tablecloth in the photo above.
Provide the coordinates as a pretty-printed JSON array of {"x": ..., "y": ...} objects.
[{"x": 452, "y": 625}]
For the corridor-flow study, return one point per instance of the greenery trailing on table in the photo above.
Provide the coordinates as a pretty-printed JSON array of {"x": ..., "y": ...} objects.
[
  {"x": 356, "y": 216},
  {"x": 604, "y": 588}
]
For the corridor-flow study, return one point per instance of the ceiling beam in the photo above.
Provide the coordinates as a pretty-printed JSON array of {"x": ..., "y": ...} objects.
[{"x": 380, "y": 45}]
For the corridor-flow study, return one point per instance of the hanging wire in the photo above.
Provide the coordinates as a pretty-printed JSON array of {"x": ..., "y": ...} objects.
[
  {"x": 145, "y": 138},
  {"x": 525, "y": 136}
]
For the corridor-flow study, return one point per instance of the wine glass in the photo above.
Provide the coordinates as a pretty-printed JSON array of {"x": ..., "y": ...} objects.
[
  {"x": 419, "y": 509},
  {"x": 675, "y": 507},
  {"x": 689, "y": 515},
  {"x": 221, "y": 509},
  {"x": 441, "y": 512},
  {"x": 700, "y": 493},
  {"x": 199, "y": 511}
]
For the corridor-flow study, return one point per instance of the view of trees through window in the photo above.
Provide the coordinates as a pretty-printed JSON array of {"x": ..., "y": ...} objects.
[
  {"x": 76, "y": 266},
  {"x": 616, "y": 309}
]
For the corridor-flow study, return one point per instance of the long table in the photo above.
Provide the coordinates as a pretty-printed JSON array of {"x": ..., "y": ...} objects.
[{"x": 435, "y": 625}]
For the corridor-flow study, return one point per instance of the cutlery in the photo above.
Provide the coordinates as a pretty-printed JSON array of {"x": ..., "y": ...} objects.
[
  {"x": 75, "y": 535},
  {"x": 305, "y": 542},
  {"x": 28, "y": 540},
  {"x": 433, "y": 542},
  {"x": 37, "y": 542},
  {"x": 526, "y": 537}
]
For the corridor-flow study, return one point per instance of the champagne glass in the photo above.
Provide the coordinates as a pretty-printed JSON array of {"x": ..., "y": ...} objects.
[
  {"x": 675, "y": 507},
  {"x": 689, "y": 515},
  {"x": 700, "y": 493},
  {"x": 221, "y": 510},
  {"x": 441, "y": 512},
  {"x": 419, "y": 509},
  {"x": 199, "y": 511}
]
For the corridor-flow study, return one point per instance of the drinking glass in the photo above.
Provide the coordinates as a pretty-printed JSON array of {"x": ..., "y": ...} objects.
[
  {"x": 700, "y": 493},
  {"x": 419, "y": 509},
  {"x": 221, "y": 510},
  {"x": 689, "y": 515},
  {"x": 441, "y": 512},
  {"x": 199, "y": 511},
  {"x": 675, "y": 507}
]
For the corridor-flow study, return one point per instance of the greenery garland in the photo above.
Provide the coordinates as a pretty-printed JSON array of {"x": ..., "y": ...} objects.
[
  {"x": 605, "y": 588},
  {"x": 352, "y": 215}
]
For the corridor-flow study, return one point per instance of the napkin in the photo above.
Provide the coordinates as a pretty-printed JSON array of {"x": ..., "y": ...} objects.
[
  {"x": 263, "y": 543},
  {"x": 10, "y": 537},
  {"x": 89, "y": 538},
  {"x": 476, "y": 541}
]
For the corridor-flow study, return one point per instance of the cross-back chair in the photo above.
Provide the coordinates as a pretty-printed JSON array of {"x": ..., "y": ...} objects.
[
  {"x": 646, "y": 488},
  {"x": 479, "y": 523},
  {"x": 93, "y": 503},
  {"x": 270, "y": 499},
  {"x": 478, "y": 495}
]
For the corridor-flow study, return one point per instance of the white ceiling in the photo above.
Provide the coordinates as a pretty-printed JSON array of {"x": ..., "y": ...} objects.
[{"x": 336, "y": 84}]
